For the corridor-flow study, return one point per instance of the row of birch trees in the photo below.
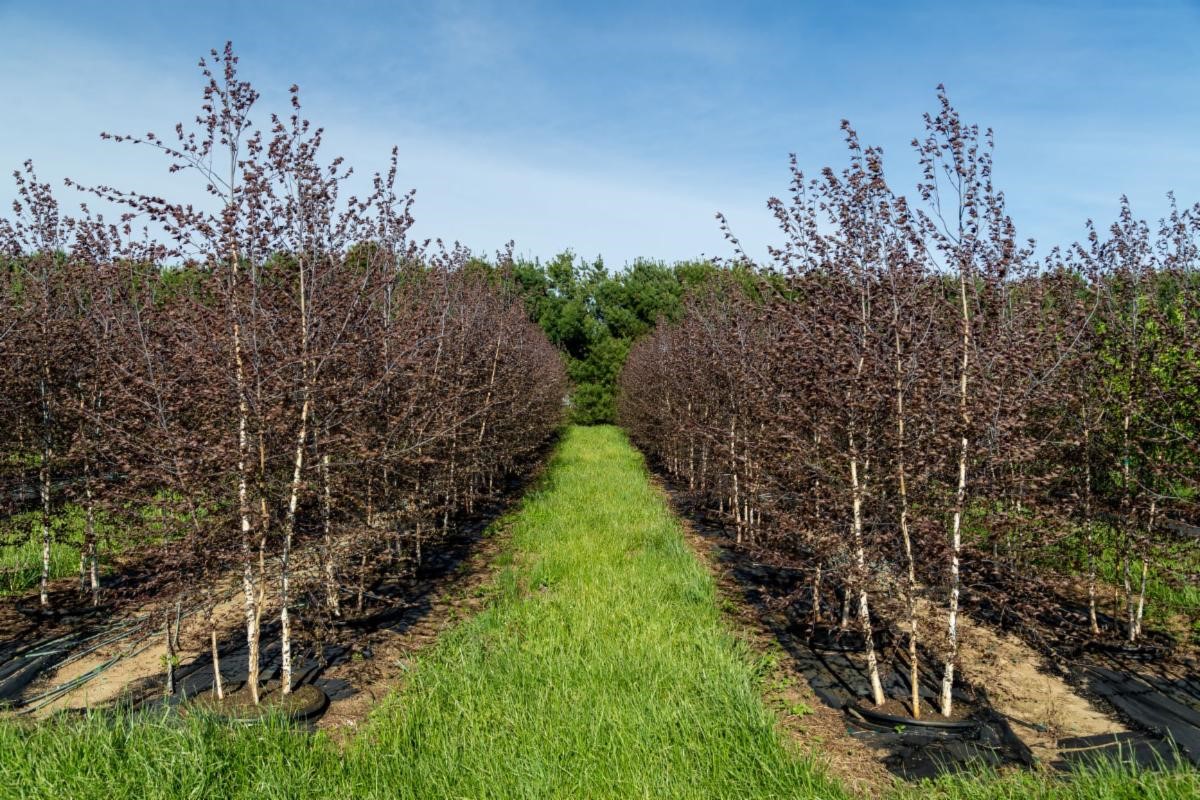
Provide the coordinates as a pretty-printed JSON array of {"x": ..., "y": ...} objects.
[
  {"x": 907, "y": 394},
  {"x": 266, "y": 384}
]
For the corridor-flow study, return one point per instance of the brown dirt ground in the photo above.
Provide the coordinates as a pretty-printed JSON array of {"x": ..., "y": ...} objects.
[
  {"x": 1043, "y": 707},
  {"x": 141, "y": 656}
]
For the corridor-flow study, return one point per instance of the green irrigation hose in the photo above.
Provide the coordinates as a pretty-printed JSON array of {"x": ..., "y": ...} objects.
[
  {"x": 53, "y": 694},
  {"x": 124, "y": 630}
]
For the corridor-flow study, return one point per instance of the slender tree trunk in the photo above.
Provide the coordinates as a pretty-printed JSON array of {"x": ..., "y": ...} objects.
[
  {"x": 1127, "y": 581},
  {"x": 285, "y": 575},
  {"x": 218, "y": 686},
  {"x": 1093, "y": 620},
  {"x": 90, "y": 546},
  {"x": 864, "y": 611},
  {"x": 691, "y": 451},
  {"x": 735, "y": 502},
  {"x": 362, "y": 582},
  {"x": 172, "y": 637},
  {"x": 169, "y": 661},
  {"x": 906, "y": 538},
  {"x": 816, "y": 593},
  {"x": 1127, "y": 504},
  {"x": 1088, "y": 523},
  {"x": 844, "y": 622},
  {"x": 285, "y": 622},
  {"x": 88, "y": 575},
  {"x": 1141, "y": 601},
  {"x": 252, "y": 602},
  {"x": 331, "y": 591},
  {"x": 960, "y": 502},
  {"x": 44, "y": 484}
]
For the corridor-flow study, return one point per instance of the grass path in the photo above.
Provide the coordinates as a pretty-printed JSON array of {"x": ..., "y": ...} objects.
[{"x": 601, "y": 669}]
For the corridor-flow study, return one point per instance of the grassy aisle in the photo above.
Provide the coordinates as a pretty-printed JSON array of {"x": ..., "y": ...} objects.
[{"x": 602, "y": 668}]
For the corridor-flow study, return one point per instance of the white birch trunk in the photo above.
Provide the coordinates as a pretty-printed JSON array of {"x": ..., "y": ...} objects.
[
  {"x": 218, "y": 686},
  {"x": 44, "y": 487},
  {"x": 860, "y": 559},
  {"x": 960, "y": 502}
]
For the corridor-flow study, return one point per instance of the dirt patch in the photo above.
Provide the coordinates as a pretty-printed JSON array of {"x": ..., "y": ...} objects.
[
  {"x": 363, "y": 660},
  {"x": 134, "y": 663},
  {"x": 1029, "y": 698},
  {"x": 1044, "y": 708}
]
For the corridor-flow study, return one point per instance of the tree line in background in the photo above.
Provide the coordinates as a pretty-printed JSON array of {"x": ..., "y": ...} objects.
[
  {"x": 908, "y": 405},
  {"x": 593, "y": 316},
  {"x": 285, "y": 395}
]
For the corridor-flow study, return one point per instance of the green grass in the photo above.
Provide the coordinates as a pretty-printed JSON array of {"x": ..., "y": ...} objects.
[
  {"x": 153, "y": 522},
  {"x": 134, "y": 756},
  {"x": 21, "y": 557},
  {"x": 1164, "y": 599},
  {"x": 1167, "y": 601},
  {"x": 1103, "y": 781},
  {"x": 600, "y": 667}
]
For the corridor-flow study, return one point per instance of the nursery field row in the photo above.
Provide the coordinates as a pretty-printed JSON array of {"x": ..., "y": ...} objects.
[{"x": 600, "y": 665}]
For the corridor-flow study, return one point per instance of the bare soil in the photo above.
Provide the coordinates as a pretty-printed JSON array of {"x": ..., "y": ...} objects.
[
  {"x": 1043, "y": 707},
  {"x": 133, "y": 667},
  {"x": 140, "y": 664}
]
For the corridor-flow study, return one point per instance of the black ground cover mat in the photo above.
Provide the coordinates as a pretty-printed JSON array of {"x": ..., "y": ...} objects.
[
  {"x": 1150, "y": 752},
  {"x": 394, "y": 603},
  {"x": 21, "y": 665},
  {"x": 1168, "y": 707}
]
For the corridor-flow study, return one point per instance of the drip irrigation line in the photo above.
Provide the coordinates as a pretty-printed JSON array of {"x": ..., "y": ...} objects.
[
  {"x": 120, "y": 628},
  {"x": 23, "y": 653},
  {"x": 41, "y": 653},
  {"x": 58, "y": 691},
  {"x": 53, "y": 694},
  {"x": 134, "y": 627},
  {"x": 121, "y": 635}
]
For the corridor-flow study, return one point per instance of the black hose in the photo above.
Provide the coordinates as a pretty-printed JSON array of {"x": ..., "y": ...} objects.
[{"x": 891, "y": 720}]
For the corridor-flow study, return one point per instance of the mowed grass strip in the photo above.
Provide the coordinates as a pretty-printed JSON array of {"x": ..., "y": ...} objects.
[{"x": 601, "y": 668}]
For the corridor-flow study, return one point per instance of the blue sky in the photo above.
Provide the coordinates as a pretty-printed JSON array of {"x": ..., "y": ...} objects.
[{"x": 621, "y": 128}]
